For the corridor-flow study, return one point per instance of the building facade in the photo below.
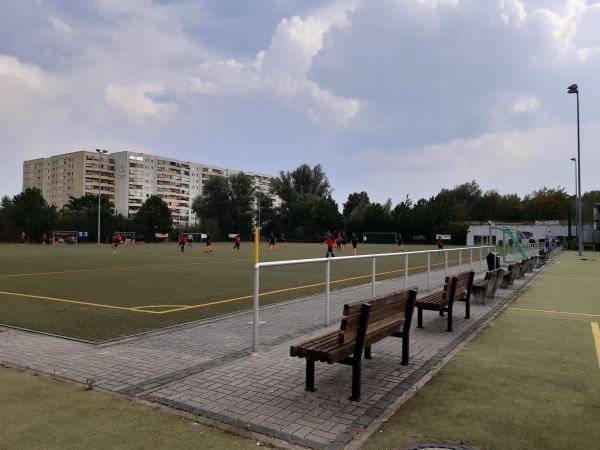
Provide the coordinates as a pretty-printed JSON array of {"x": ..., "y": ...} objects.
[{"x": 128, "y": 178}]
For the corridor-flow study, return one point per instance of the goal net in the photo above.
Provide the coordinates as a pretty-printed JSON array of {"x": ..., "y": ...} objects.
[
  {"x": 376, "y": 237},
  {"x": 128, "y": 237},
  {"x": 65, "y": 237}
]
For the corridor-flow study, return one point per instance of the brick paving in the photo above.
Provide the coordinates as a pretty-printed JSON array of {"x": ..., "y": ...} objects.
[{"x": 207, "y": 368}]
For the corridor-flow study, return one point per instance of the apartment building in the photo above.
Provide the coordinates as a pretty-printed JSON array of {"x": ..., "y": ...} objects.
[
  {"x": 129, "y": 178},
  {"x": 71, "y": 174}
]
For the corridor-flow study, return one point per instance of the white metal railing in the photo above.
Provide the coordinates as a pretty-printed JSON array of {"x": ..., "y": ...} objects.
[{"x": 373, "y": 257}]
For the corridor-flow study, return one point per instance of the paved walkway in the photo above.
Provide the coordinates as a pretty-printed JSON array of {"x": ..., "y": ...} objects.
[{"x": 207, "y": 368}]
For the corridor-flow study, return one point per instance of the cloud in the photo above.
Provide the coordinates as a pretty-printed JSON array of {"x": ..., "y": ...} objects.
[
  {"x": 137, "y": 101},
  {"x": 526, "y": 105},
  {"x": 27, "y": 74}
]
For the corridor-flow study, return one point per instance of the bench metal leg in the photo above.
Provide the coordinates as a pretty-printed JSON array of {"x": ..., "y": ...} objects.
[
  {"x": 468, "y": 308},
  {"x": 441, "y": 313},
  {"x": 310, "y": 375},
  {"x": 419, "y": 318},
  {"x": 449, "y": 320},
  {"x": 405, "y": 348},
  {"x": 356, "y": 378},
  {"x": 368, "y": 352}
]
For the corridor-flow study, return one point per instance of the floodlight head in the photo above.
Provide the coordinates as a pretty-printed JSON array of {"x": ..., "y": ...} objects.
[
  {"x": 573, "y": 89},
  {"x": 573, "y": 159}
]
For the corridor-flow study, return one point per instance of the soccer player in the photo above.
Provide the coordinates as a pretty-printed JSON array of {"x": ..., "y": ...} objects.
[
  {"x": 236, "y": 242},
  {"x": 116, "y": 240},
  {"x": 23, "y": 237},
  {"x": 208, "y": 243},
  {"x": 272, "y": 242},
  {"x": 329, "y": 241},
  {"x": 440, "y": 244},
  {"x": 338, "y": 242},
  {"x": 181, "y": 241},
  {"x": 344, "y": 241},
  {"x": 354, "y": 241},
  {"x": 400, "y": 243},
  {"x": 190, "y": 238},
  {"x": 282, "y": 240},
  {"x": 44, "y": 238}
]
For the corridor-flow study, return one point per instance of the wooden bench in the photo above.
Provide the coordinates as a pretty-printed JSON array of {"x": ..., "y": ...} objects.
[
  {"x": 524, "y": 267},
  {"x": 483, "y": 289},
  {"x": 363, "y": 324},
  {"x": 457, "y": 288},
  {"x": 509, "y": 278},
  {"x": 500, "y": 274}
]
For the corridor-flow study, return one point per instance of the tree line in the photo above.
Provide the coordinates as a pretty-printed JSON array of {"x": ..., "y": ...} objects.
[{"x": 299, "y": 204}]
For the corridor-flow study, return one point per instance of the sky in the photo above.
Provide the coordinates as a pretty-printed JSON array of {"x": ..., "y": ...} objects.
[{"x": 394, "y": 97}]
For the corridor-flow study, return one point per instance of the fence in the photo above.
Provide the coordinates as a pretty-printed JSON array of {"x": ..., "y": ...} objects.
[{"x": 482, "y": 250}]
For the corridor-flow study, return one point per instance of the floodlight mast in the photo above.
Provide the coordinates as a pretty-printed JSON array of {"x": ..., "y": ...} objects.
[
  {"x": 100, "y": 153},
  {"x": 576, "y": 196},
  {"x": 574, "y": 89}
]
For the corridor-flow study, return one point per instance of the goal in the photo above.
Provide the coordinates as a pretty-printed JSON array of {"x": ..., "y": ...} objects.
[
  {"x": 65, "y": 237},
  {"x": 379, "y": 237},
  {"x": 128, "y": 237},
  {"x": 195, "y": 237}
]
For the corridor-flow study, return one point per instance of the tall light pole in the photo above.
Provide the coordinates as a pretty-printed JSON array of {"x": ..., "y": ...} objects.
[
  {"x": 100, "y": 153},
  {"x": 576, "y": 196},
  {"x": 573, "y": 89}
]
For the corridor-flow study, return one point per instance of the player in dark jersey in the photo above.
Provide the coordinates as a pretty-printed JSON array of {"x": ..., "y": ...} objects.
[
  {"x": 272, "y": 241},
  {"x": 344, "y": 241},
  {"x": 329, "y": 241},
  {"x": 282, "y": 240},
  {"x": 208, "y": 243},
  {"x": 400, "y": 243},
  {"x": 181, "y": 240},
  {"x": 236, "y": 242},
  {"x": 354, "y": 241}
]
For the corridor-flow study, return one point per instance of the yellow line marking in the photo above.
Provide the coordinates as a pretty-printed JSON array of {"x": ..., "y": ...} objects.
[
  {"x": 556, "y": 312},
  {"x": 596, "y": 334},
  {"x": 77, "y": 302}
]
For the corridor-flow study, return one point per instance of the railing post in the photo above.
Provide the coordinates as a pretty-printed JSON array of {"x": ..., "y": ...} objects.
[
  {"x": 373, "y": 278},
  {"x": 406, "y": 271},
  {"x": 327, "y": 290},
  {"x": 471, "y": 264},
  {"x": 480, "y": 261},
  {"x": 428, "y": 270},
  {"x": 446, "y": 263},
  {"x": 459, "y": 261},
  {"x": 255, "y": 321}
]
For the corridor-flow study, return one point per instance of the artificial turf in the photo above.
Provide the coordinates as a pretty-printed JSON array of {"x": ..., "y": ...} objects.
[
  {"x": 159, "y": 278},
  {"x": 531, "y": 380}
]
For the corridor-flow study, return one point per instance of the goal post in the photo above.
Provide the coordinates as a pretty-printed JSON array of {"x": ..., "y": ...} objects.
[
  {"x": 379, "y": 237},
  {"x": 61, "y": 237}
]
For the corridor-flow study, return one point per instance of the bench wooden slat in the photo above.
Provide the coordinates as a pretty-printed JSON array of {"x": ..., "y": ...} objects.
[{"x": 349, "y": 335}]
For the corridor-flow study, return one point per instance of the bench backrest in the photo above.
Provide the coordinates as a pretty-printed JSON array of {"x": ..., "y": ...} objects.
[
  {"x": 389, "y": 311},
  {"x": 459, "y": 286}
]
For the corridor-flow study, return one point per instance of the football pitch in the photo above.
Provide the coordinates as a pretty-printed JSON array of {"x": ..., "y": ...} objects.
[{"x": 88, "y": 292}]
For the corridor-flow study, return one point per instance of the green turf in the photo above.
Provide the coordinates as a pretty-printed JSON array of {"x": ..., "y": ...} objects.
[
  {"x": 38, "y": 413},
  {"x": 530, "y": 381},
  {"x": 148, "y": 275}
]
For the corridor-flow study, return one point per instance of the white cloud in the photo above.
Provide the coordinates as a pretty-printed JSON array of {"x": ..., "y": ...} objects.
[
  {"x": 28, "y": 74},
  {"x": 526, "y": 105},
  {"x": 137, "y": 101},
  {"x": 60, "y": 25}
]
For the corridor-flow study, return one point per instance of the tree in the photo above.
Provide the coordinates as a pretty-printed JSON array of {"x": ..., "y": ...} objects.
[
  {"x": 30, "y": 212},
  {"x": 546, "y": 204},
  {"x": 153, "y": 217},
  {"x": 228, "y": 202},
  {"x": 82, "y": 214},
  {"x": 355, "y": 200}
]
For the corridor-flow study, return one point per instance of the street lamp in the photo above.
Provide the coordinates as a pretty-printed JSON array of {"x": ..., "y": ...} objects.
[
  {"x": 576, "y": 191},
  {"x": 100, "y": 153},
  {"x": 573, "y": 89}
]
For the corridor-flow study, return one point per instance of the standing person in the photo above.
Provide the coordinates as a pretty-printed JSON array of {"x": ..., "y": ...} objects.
[
  {"x": 116, "y": 240},
  {"x": 236, "y": 242},
  {"x": 44, "y": 238},
  {"x": 354, "y": 241},
  {"x": 272, "y": 241},
  {"x": 181, "y": 240},
  {"x": 344, "y": 241},
  {"x": 440, "y": 244},
  {"x": 338, "y": 242},
  {"x": 282, "y": 240},
  {"x": 190, "y": 238},
  {"x": 364, "y": 238},
  {"x": 329, "y": 241},
  {"x": 400, "y": 243},
  {"x": 208, "y": 243},
  {"x": 23, "y": 237}
]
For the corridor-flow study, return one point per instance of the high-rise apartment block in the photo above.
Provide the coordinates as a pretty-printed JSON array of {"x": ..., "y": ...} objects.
[{"x": 127, "y": 178}]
